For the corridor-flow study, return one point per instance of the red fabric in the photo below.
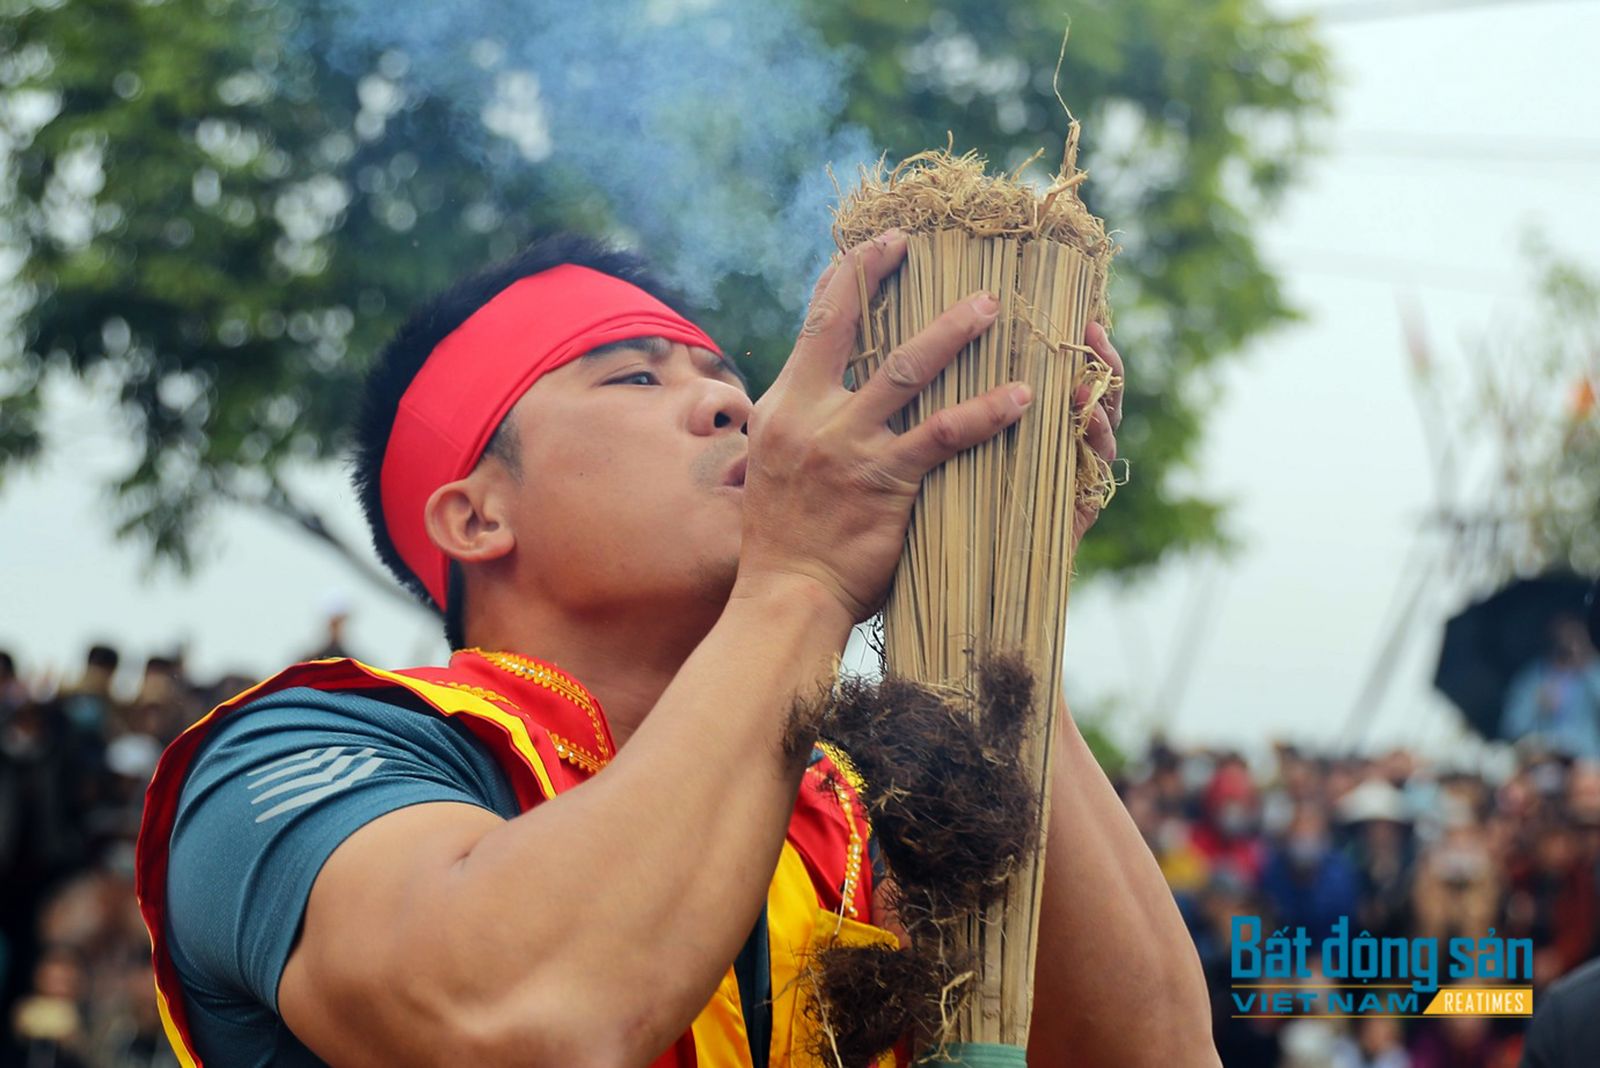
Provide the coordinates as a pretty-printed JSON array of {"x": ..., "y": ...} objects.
[
  {"x": 820, "y": 832},
  {"x": 476, "y": 374}
]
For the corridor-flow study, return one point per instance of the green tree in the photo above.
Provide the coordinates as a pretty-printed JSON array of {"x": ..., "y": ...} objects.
[
  {"x": 1194, "y": 117},
  {"x": 1520, "y": 420},
  {"x": 209, "y": 215}
]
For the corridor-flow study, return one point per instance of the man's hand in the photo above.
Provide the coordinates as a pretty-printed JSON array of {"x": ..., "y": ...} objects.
[
  {"x": 1101, "y": 433},
  {"x": 829, "y": 489}
]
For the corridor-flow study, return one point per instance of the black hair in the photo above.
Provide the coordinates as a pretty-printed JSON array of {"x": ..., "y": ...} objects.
[{"x": 400, "y": 360}]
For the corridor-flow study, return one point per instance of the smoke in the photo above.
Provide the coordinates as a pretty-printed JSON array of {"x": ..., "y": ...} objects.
[{"x": 706, "y": 125}]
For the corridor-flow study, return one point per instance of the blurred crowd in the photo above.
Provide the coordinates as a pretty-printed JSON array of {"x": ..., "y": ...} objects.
[
  {"x": 75, "y": 756},
  {"x": 1401, "y": 847}
]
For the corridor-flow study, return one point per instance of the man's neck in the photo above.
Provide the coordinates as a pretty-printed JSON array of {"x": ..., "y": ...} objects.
[{"x": 625, "y": 661}]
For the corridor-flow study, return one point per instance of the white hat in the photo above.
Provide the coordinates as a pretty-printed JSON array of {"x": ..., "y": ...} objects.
[{"x": 1373, "y": 800}]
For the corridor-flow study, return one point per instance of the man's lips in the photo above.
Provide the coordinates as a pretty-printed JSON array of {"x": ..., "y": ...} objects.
[{"x": 735, "y": 475}]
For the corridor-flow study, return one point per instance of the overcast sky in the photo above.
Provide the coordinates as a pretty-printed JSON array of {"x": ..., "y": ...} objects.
[{"x": 1316, "y": 440}]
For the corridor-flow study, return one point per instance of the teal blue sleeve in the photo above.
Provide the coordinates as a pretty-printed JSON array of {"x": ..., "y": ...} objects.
[{"x": 272, "y": 793}]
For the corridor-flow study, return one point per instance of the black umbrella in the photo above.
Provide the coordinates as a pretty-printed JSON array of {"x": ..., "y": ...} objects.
[{"x": 1489, "y": 642}]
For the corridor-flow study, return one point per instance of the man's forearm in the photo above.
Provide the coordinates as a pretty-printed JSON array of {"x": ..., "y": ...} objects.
[{"x": 1118, "y": 981}]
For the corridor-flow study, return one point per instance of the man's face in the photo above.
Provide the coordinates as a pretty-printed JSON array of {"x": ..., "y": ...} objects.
[{"x": 631, "y": 482}]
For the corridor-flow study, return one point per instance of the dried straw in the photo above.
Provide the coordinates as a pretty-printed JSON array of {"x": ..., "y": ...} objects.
[{"x": 988, "y": 552}]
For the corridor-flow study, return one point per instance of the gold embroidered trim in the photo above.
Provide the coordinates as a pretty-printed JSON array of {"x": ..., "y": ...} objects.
[
  {"x": 576, "y": 754},
  {"x": 564, "y": 686},
  {"x": 480, "y": 692},
  {"x": 852, "y": 864}
]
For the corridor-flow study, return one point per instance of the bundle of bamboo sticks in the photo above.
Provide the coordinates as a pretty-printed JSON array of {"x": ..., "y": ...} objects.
[{"x": 988, "y": 555}]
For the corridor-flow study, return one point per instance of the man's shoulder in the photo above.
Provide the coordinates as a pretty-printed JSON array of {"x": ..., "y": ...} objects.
[
  {"x": 292, "y": 720},
  {"x": 1580, "y": 984},
  {"x": 1566, "y": 1025},
  {"x": 256, "y": 718},
  {"x": 325, "y": 690}
]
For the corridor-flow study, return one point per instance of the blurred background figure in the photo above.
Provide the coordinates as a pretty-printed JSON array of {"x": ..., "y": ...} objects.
[
  {"x": 1228, "y": 835},
  {"x": 1457, "y": 892},
  {"x": 1555, "y": 700},
  {"x": 1378, "y": 827},
  {"x": 1372, "y": 1043},
  {"x": 336, "y": 614},
  {"x": 12, "y": 692},
  {"x": 89, "y": 702},
  {"x": 1307, "y": 882}
]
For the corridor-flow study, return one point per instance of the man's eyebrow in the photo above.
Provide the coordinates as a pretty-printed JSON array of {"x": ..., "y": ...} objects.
[
  {"x": 657, "y": 348},
  {"x": 653, "y": 347}
]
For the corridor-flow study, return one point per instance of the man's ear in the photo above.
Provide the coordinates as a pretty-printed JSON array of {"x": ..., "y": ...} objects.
[{"x": 465, "y": 520}]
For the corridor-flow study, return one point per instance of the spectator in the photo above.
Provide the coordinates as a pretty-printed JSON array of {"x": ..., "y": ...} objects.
[
  {"x": 12, "y": 693},
  {"x": 1227, "y": 835},
  {"x": 1168, "y": 836},
  {"x": 1381, "y": 847},
  {"x": 1457, "y": 890},
  {"x": 1307, "y": 882},
  {"x": 1554, "y": 897},
  {"x": 1556, "y": 700},
  {"x": 1462, "y": 1042},
  {"x": 336, "y": 615},
  {"x": 1375, "y": 1043},
  {"x": 88, "y": 702}
]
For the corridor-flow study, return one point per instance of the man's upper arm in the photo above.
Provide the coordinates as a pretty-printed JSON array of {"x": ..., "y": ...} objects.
[
  {"x": 348, "y": 950},
  {"x": 271, "y": 797}
]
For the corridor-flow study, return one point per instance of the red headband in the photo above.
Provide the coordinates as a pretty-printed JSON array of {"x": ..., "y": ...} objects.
[{"x": 473, "y": 377}]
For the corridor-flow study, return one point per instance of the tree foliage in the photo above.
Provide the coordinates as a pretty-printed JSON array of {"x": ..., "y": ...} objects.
[
  {"x": 211, "y": 217},
  {"x": 1524, "y": 421}
]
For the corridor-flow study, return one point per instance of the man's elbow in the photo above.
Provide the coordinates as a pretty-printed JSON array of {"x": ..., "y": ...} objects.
[
  {"x": 1179, "y": 1032},
  {"x": 556, "y": 1030}
]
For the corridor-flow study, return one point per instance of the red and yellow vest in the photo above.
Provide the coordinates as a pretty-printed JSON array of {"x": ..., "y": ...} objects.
[{"x": 548, "y": 734}]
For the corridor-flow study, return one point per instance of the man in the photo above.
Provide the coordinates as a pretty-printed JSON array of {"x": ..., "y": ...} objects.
[{"x": 562, "y": 860}]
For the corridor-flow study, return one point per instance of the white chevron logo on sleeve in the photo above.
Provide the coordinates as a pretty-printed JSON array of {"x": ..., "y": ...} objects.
[{"x": 308, "y": 777}]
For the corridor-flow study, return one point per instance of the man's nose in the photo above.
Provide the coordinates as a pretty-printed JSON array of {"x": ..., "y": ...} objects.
[{"x": 720, "y": 407}]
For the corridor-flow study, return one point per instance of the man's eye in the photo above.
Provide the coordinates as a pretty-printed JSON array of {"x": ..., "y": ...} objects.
[{"x": 635, "y": 378}]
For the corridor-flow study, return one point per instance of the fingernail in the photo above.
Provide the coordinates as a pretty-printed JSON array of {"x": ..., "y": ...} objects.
[
  {"x": 987, "y": 303},
  {"x": 1022, "y": 396},
  {"x": 892, "y": 237}
]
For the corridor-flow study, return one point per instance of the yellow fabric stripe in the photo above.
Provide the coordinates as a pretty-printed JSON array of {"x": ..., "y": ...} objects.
[
  {"x": 175, "y": 1038},
  {"x": 720, "y": 1040},
  {"x": 452, "y": 702},
  {"x": 792, "y": 914}
]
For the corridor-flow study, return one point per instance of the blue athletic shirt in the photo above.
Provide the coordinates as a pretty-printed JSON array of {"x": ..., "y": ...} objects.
[{"x": 272, "y": 792}]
